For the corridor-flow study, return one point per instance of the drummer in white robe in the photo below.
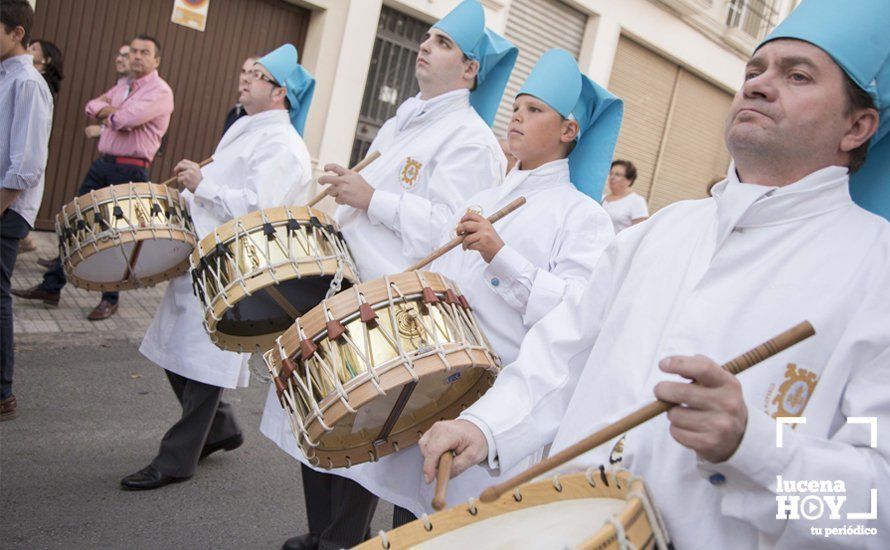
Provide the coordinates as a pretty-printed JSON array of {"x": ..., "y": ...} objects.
[
  {"x": 563, "y": 130},
  {"x": 260, "y": 162},
  {"x": 438, "y": 150},
  {"x": 781, "y": 241}
]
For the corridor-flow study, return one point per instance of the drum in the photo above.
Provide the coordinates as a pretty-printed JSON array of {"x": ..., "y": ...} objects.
[
  {"x": 594, "y": 510},
  {"x": 256, "y": 274},
  {"x": 366, "y": 372},
  {"x": 125, "y": 236}
]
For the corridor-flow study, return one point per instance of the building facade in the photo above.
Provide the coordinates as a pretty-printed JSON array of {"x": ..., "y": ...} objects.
[{"x": 676, "y": 64}]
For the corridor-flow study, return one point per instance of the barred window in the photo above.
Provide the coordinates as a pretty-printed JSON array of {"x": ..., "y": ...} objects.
[{"x": 753, "y": 17}]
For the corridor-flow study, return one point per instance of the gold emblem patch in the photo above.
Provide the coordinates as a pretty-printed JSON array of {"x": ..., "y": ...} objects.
[
  {"x": 410, "y": 173},
  {"x": 794, "y": 392}
]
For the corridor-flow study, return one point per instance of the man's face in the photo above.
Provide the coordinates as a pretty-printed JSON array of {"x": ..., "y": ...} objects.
[
  {"x": 122, "y": 60},
  {"x": 10, "y": 40},
  {"x": 440, "y": 63},
  {"x": 143, "y": 57},
  {"x": 260, "y": 93},
  {"x": 244, "y": 76},
  {"x": 792, "y": 105}
]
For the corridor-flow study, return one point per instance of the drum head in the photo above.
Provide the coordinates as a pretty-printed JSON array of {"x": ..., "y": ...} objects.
[
  {"x": 155, "y": 257},
  {"x": 442, "y": 390},
  {"x": 593, "y": 510},
  {"x": 260, "y": 314},
  {"x": 561, "y": 524}
]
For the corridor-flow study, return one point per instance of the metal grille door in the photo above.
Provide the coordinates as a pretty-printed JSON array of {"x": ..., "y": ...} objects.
[{"x": 390, "y": 75}]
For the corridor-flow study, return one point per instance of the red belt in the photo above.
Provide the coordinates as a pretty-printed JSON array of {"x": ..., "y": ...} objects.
[{"x": 133, "y": 161}]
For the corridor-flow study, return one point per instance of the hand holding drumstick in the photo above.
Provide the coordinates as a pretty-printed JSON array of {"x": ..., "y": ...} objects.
[
  {"x": 347, "y": 186},
  {"x": 713, "y": 392}
]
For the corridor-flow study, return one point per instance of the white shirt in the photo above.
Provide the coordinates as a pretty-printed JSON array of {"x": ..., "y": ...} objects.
[
  {"x": 717, "y": 277},
  {"x": 26, "y": 119},
  {"x": 261, "y": 162},
  {"x": 625, "y": 210},
  {"x": 434, "y": 154}
]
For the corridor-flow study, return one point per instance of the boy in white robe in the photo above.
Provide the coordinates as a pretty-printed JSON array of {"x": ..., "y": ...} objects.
[
  {"x": 781, "y": 241},
  {"x": 260, "y": 162}
]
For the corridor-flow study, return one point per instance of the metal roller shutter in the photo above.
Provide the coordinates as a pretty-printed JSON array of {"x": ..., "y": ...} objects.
[
  {"x": 694, "y": 151},
  {"x": 536, "y": 26},
  {"x": 673, "y": 125},
  {"x": 645, "y": 81}
]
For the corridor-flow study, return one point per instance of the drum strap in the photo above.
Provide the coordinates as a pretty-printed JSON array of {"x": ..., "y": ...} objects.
[{"x": 395, "y": 413}]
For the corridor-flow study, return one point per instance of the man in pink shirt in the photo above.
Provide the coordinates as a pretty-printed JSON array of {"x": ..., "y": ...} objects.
[{"x": 135, "y": 114}]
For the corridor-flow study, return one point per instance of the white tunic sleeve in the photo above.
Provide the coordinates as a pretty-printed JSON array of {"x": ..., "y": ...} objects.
[
  {"x": 271, "y": 164},
  {"x": 748, "y": 477},
  {"x": 534, "y": 291},
  {"x": 524, "y": 408},
  {"x": 420, "y": 221}
]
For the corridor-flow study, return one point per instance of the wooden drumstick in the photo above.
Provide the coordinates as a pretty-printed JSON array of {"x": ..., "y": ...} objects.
[
  {"x": 357, "y": 168},
  {"x": 781, "y": 342},
  {"x": 460, "y": 238},
  {"x": 201, "y": 164},
  {"x": 442, "y": 477}
]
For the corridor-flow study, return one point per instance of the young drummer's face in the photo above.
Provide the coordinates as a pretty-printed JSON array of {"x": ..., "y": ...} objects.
[
  {"x": 537, "y": 132},
  {"x": 439, "y": 60}
]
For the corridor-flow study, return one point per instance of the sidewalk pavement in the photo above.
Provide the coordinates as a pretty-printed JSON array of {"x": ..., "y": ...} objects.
[
  {"x": 135, "y": 311},
  {"x": 92, "y": 410}
]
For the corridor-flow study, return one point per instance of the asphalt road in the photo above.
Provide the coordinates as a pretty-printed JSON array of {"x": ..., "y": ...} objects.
[{"x": 91, "y": 412}]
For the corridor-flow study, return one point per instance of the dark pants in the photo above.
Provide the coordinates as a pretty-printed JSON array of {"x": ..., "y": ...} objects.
[
  {"x": 205, "y": 419},
  {"x": 102, "y": 173},
  {"x": 13, "y": 228},
  {"x": 401, "y": 516},
  {"x": 339, "y": 509}
]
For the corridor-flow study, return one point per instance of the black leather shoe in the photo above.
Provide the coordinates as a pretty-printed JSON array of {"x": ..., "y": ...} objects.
[
  {"x": 36, "y": 293},
  {"x": 148, "y": 478},
  {"x": 303, "y": 542},
  {"x": 227, "y": 444}
]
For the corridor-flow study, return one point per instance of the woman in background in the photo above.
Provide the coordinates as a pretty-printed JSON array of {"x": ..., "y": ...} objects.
[{"x": 625, "y": 207}]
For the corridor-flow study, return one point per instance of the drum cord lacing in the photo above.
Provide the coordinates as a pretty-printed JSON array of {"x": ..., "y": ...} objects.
[
  {"x": 620, "y": 534},
  {"x": 427, "y": 524},
  {"x": 384, "y": 541},
  {"x": 655, "y": 521},
  {"x": 241, "y": 232},
  {"x": 471, "y": 506},
  {"x": 407, "y": 362},
  {"x": 434, "y": 334},
  {"x": 334, "y": 377},
  {"x": 366, "y": 333}
]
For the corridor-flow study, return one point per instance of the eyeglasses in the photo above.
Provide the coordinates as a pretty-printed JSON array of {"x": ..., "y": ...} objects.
[
  {"x": 256, "y": 74},
  {"x": 122, "y": 54}
]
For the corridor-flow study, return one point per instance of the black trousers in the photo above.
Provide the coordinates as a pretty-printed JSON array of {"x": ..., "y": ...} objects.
[
  {"x": 401, "y": 516},
  {"x": 339, "y": 509},
  {"x": 102, "y": 173},
  {"x": 13, "y": 228},
  {"x": 205, "y": 419}
]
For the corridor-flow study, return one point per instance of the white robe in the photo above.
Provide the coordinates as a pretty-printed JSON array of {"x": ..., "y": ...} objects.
[
  {"x": 260, "y": 162},
  {"x": 457, "y": 155},
  {"x": 717, "y": 277},
  {"x": 443, "y": 154},
  {"x": 551, "y": 245}
]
